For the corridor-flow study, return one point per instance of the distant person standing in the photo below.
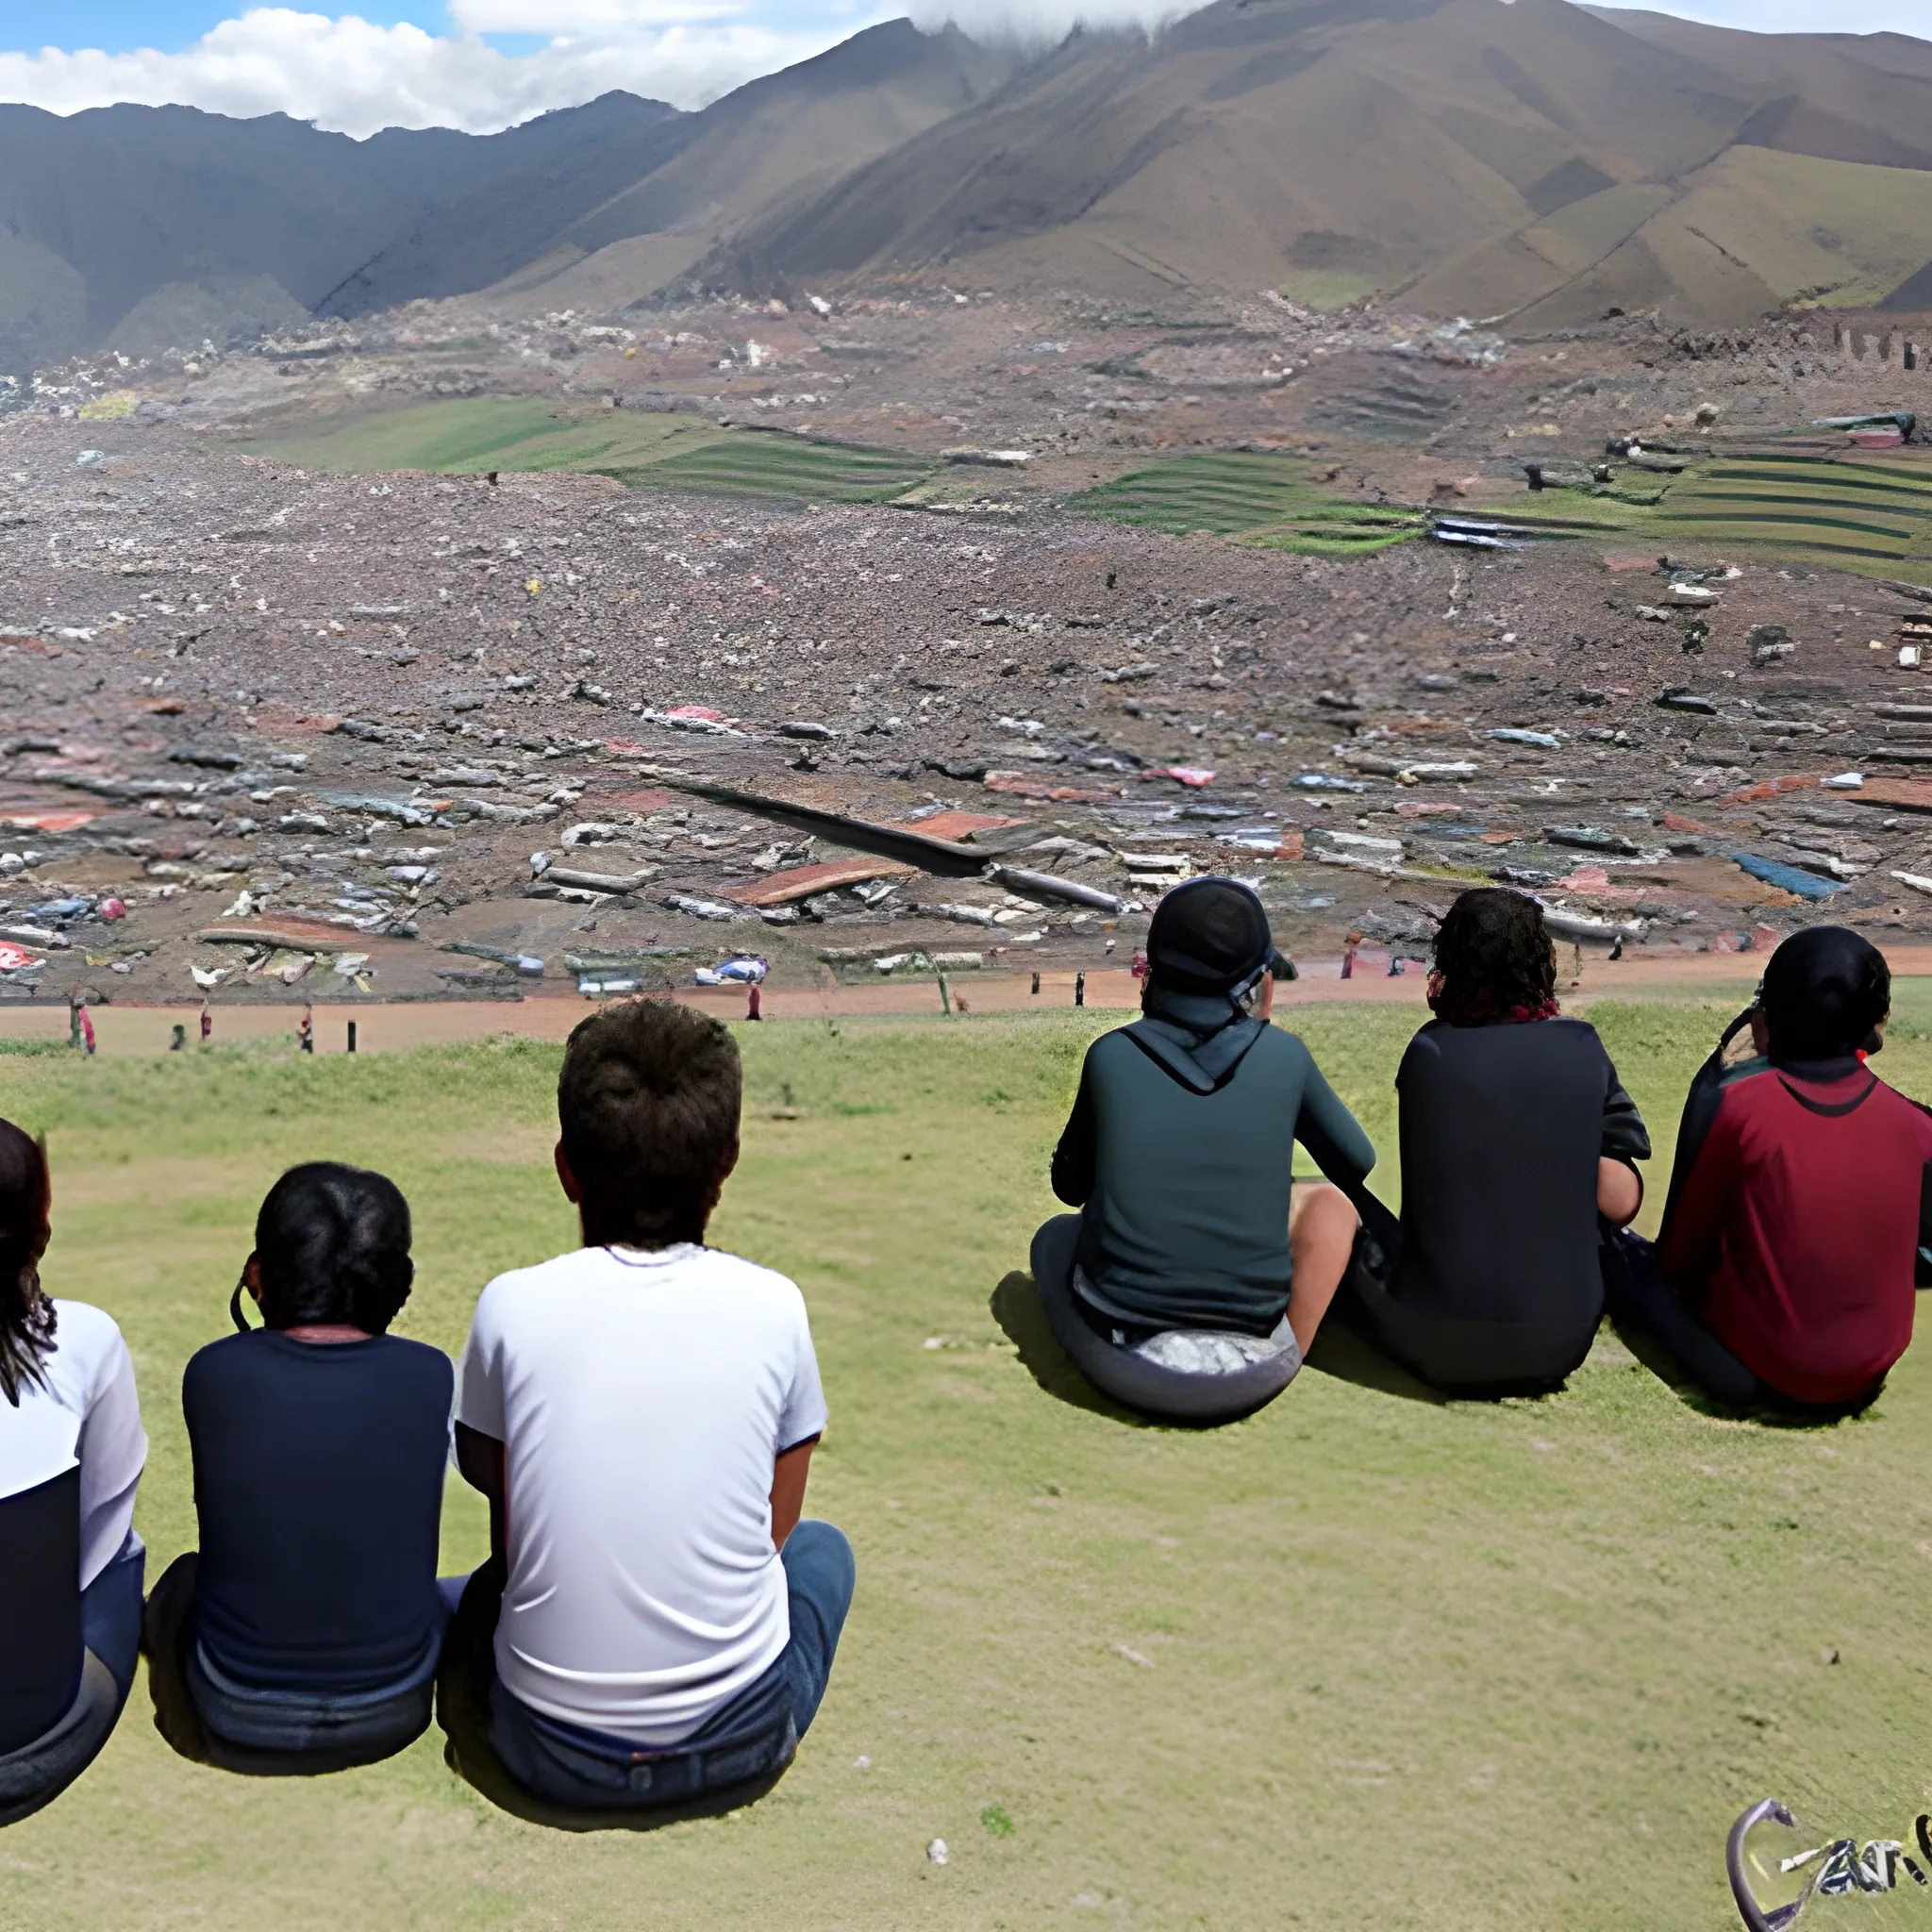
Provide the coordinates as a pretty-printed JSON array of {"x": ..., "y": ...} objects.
[
  {"x": 177, "y": 1041},
  {"x": 304, "y": 1032},
  {"x": 1079, "y": 988},
  {"x": 87, "y": 1031},
  {"x": 207, "y": 1023},
  {"x": 1348, "y": 955},
  {"x": 751, "y": 1005},
  {"x": 73, "y": 1019}
]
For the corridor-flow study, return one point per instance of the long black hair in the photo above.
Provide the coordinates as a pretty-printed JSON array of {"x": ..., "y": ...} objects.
[
  {"x": 332, "y": 1244},
  {"x": 1495, "y": 961},
  {"x": 27, "y": 1315}
]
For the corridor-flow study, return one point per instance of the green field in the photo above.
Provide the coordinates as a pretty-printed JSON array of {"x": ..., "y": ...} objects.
[
  {"x": 1250, "y": 494},
  {"x": 684, "y": 452},
  {"x": 1366, "y": 1660}
]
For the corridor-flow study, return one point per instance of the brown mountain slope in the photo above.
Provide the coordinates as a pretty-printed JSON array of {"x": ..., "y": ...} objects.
[
  {"x": 759, "y": 150},
  {"x": 1537, "y": 158}
]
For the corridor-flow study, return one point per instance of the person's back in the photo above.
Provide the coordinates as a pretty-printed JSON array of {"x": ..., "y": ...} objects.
[
  {"x": 318, "y": 1487},
  {"x": 641, "y": 1414},
  {"x": 1516, "y": 1140},
  {"x": 1187, "y": 1194},
  {"x": 1800, "y": 1216},
  {"x": 1801, "y": 1220},
  {"x": 1501, "y": 1129},
  {"x": 307, "y": 1625},
  {"x": 72, "y": 1450},
  {"x": 640, "y": 1398}
]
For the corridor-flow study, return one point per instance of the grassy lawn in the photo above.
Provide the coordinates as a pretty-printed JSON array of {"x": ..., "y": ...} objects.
[{"x": 1364, "y": 1661}]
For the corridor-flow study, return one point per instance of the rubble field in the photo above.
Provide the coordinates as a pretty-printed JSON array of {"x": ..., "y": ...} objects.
[{"x": 939, "y": 637}]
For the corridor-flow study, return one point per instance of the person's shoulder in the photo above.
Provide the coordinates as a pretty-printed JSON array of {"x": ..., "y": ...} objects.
[
  {"x": 559, "y": 1273},
  {"x": 85, "y": 1329},
  {"x": 720, "y": 1268},
  {"x": 414, "y": 1358}
]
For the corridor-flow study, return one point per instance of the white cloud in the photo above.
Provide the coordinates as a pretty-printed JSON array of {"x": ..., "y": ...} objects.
[
  {"x": 1796, "y": 16},
  {"x": 1039, "y": 20},
  {"x": 350, "y": 76}
]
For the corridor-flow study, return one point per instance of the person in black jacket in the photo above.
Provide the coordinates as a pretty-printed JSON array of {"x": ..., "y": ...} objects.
[{"x": 1518, "y": 1140}]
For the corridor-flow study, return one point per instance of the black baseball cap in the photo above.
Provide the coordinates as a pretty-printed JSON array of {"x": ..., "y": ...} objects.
[{"x": 1211, "y": 936}]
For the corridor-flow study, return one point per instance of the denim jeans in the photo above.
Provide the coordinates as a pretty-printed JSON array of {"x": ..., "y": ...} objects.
[
  {"x": 751, "y": 1740},
  {"x": 209, "y": 1717}
]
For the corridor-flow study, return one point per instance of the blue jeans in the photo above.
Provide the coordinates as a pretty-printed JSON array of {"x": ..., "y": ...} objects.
[
  {"x": 752, "y": 1739},
  {"x": 211, "y": 1719}
]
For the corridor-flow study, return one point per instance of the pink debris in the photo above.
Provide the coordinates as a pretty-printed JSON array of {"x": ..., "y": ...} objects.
[
  {"x": 1187, "y": 775},
  {"x": 699, "y": 714},
  {"x": 111, "y": 908},
  {"x": 12, "y": 958}
]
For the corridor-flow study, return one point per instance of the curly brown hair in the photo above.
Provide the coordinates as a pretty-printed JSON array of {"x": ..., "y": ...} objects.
[
  {"x": 27, "y": 1315},
  {"x": 1495, "y": 961}
]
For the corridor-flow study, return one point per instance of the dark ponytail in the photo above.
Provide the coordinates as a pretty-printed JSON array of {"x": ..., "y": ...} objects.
[
  {"x": 332, "y": 1244},
  {"x": 27, "y": 1315}
]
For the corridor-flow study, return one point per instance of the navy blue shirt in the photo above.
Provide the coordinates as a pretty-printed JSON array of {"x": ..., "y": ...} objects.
[{"x": 318, "y": 1479}]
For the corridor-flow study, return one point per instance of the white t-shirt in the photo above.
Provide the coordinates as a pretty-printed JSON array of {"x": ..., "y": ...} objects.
[
  {"x": 85, "y": 1410},
  {"x": 641, "y": 1399}
]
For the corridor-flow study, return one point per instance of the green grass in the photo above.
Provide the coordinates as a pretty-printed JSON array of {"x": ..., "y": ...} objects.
[
  {"x": 641, "y": 451},
  {"x": 1263, "y": 499},
  {"x": 1393, "y": 1663}
]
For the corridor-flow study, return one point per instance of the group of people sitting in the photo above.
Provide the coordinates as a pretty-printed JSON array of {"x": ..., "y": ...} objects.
[
  {"x": 1195, "y": 1278},
  {"x": 656, "y": 1622}
]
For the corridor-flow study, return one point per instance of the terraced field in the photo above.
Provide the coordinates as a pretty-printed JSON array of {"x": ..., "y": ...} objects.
[
  {"x": 1856, "y": 515},
  {"x": 682, "y": 453},
  {"x": 1262, "y": 499}
]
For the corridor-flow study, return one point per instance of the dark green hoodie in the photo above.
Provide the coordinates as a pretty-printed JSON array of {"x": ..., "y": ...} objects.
[{"x": 1179, "y": 1152}]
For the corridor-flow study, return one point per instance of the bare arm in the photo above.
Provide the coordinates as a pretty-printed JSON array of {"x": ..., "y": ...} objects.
[
  {"x": 1619, "y": 1191},
  {"x": 481, "y": 1463},
  {"x": 789, "y": 1477}
]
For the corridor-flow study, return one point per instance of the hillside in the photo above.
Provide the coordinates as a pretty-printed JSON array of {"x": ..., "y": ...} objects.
[
  {"x": 1540, "y": 160},
  {"x": 611, "y": 224},
  {"x": 125, "y": 224}
]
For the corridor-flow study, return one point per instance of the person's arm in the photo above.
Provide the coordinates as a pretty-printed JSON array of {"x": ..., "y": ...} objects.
[
  {"x": 790, "y": 1473},
  {"x": 482, "y": 1465},
  {"x": 1626, "y": 1141},
  {"x": 112, "y": 1451},
  {"x": 1332, "y": 1135},
  {"x": 1076, "y": 1159},
  {"x": 1689, "y": 1248}
]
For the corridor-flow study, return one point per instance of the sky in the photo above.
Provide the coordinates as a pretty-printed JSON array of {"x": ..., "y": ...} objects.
[{"x": 484, "y": 64}]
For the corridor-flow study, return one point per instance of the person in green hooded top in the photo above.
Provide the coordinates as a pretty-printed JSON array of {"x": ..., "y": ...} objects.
[{"x": 1195, "y": 1275}]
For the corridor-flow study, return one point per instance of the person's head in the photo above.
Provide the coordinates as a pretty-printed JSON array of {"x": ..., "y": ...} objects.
[
  {"x": 648, "y": 1107},
  {"x": 26, "y": 1316},
  {"x": 1211, "y": 939},
  {"x": 1495, "y": 961},
  {"x": 332, "y": 1250},
  {"x": 1827, "y": 994}
]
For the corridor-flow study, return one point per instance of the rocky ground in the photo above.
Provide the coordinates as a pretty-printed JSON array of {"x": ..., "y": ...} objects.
[{"x": 268, "y": 730}]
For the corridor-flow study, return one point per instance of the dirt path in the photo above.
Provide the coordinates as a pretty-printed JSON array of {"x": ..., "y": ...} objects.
[{"x": 388, "y": 1028}]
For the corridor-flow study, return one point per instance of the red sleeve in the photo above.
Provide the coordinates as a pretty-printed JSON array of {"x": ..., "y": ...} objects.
[{"x": 1689, "y": 1253}]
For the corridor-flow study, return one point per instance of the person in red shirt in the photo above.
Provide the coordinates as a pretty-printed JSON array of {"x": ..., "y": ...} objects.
[{"x": 1800, "y": 1217}]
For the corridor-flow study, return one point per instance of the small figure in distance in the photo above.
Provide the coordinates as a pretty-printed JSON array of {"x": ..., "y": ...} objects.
[
  {"x": 1797, "y": 1224},
  {"x": 1516, "y": 1136},
  {"x": 1195, "y": 1278},
  {"x": 178, "y": 1038},
  {"x": 752, "y": 1007},
  {"x": 72, "y": 1451},
  {"x": 207, "y": 1022},
  {"x": 87, "y": 1031},
  {"x": 305, "y": 1030},
  {"x": 1348, "y": 955},
  {"x": 656, "y": 1625},
  {"x": 304, "y": 1634}
]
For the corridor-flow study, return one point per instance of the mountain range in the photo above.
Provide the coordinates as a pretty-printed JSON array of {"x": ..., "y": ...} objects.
[{"x": 1529, "y": 159}]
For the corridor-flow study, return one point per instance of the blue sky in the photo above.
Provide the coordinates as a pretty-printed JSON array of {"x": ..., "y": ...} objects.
[{"x": 484, "y": 64}]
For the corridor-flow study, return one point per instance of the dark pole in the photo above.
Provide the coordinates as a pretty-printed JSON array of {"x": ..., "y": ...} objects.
[{"x": 352, "y": 1036}]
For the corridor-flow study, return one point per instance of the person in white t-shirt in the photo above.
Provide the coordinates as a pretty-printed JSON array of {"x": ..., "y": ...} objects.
[
  {"x": 640, "y": 1414},
  {"x": 72, "y": 1451}
]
